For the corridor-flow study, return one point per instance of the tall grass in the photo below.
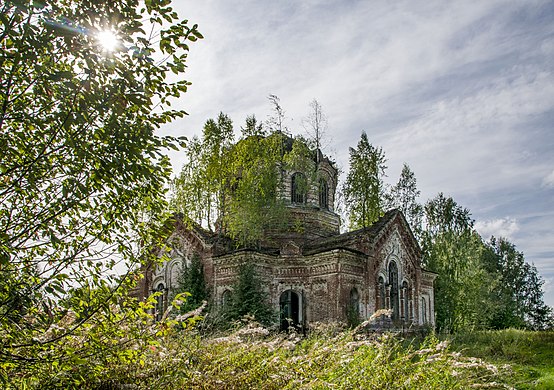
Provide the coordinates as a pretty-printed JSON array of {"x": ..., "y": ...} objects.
[
  {"x": 529, "y": 354},
  {"x": 329, "y": 357},
  {"x": 251, "y": 357}
]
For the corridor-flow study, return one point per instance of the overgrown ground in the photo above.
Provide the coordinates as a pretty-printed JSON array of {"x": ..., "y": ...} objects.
[
  {"x": 252, "y": 357},
  {"x": 530, "y": 354}
]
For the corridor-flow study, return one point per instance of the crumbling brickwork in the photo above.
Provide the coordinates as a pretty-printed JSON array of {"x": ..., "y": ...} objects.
[{"x": 312, "y": 268}]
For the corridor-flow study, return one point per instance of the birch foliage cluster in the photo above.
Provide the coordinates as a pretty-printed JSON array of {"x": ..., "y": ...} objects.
[
  {"x": 236, "y": 187},
  {"x": 82, "y": 171}
]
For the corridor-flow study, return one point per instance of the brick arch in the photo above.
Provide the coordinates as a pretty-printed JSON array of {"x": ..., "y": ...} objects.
[{"x": 291, "y": 302}]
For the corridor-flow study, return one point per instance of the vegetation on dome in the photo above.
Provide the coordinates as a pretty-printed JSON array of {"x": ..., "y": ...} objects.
[{"x": 236, "y": 188}]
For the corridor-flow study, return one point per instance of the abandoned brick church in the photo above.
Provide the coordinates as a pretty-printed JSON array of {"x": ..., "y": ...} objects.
[{"x": 314, "y": 274}]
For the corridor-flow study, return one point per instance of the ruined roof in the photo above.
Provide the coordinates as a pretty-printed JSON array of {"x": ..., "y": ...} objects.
[
  {"x": 351, "y": 240},
  {"x": 360, "y": 241}
]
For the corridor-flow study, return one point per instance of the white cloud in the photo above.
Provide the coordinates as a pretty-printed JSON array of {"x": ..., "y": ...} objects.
[
  {"x": 548, "y": 181},
  {"x": 461, "y": 91},
  {"x": 502, "y": 227}
]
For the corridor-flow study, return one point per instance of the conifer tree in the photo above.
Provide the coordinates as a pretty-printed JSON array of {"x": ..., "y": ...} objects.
[
  {"x": 364, "y": 187},
  {"x": 403, "y": 196},
  {"x": 253, "y": 128},
  {"x": 249, "y": 297},
  {"x": 191, "y": 280}
]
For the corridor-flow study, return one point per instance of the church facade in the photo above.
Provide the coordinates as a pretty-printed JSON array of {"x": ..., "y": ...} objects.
[{"x": 313, "y": 273}]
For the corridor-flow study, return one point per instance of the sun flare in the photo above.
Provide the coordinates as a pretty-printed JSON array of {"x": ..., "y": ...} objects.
[{"x": 108, "y": 40}]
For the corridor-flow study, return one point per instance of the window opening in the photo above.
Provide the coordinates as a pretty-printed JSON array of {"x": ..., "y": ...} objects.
[
  {"x": 423, "y": 310},
  {"x": 381, "y": 293},
  {"x": 355, "y": 302},
  {"x": 405, "y": 302},
  {"x": 298, "y": 188},
  {"x": 226, "y": 298},
  {"x": 323, "y": 194},
  {"x": 394, "y": 293}
]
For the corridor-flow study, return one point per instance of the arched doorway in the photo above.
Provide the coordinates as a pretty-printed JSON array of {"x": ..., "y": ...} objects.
[
  {"x": 289, "y": 309},
  {"x": 226, "y": 299}
]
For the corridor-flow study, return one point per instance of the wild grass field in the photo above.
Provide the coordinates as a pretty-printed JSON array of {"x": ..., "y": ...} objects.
[
  {"x": 251, "y": 357},
  {"x": 529, "y": 354},
  {"x": 328, "y": 358}
]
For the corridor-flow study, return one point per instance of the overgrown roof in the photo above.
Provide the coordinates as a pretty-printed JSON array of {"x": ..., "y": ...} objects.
[{"x": 350, "y": 239}]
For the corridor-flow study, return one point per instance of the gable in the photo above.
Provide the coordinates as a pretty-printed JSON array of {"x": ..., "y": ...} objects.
[
  {"x": 371, "y": 239},
  {"x": 395, "y": 238}
]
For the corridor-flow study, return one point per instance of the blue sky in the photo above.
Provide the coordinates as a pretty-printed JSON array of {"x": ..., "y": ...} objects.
[{"x": 462, "y": 91}]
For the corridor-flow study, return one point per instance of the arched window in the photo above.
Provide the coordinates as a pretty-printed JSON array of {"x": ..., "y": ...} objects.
[
  {"x": 323, "y": 194},
  {"x": 160, "y": 301},
  {"x": 394, "y": 293},
  {"x": 175, "y": 270},
  {"x": 381, "y": 293},
  {"x": 298, "y": 187}
]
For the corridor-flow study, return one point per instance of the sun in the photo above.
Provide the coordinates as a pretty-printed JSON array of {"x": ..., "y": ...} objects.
[{"x": 108, "y": 40}]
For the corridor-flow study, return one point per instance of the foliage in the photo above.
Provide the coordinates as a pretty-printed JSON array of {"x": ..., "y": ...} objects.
[
  {"x": 403, "y": 196},
  {"x": 453, "y": 250},
  {"x": 252, "y": 357},
  {"x": 480, "y": 285},
  {"x": 353, "y": 316},
  {"x": 236, "y": 188},
  {"x": 82, "y": 172},
  {"x": 518, "y": 296},
  {"x": 256, "y": 181},
  {"x": 315, "y": 125},
  {"x": 191, "y": 281},
  {"x": 118, "y": 341},
  {"x": 529, "y": 354},
  {"x": 205, "y": 174},
  {"x": 253, "y": 128},
  {"x": 249, "y": 297},
  {"x": 364, "y": 189}
]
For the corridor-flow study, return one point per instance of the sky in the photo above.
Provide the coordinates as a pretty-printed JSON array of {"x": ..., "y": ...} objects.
[{"x": 461, "y": 91}]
